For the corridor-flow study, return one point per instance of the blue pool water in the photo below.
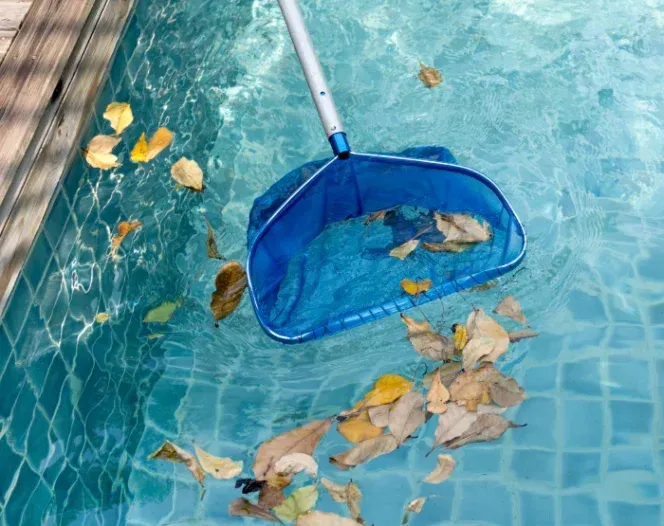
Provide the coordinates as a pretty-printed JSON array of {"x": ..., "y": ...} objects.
[{"x": 558, "y": 102}]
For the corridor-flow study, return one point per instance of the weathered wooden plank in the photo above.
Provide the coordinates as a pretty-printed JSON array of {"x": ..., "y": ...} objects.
[
  {"x": 60, "y": 139},
  {"x": 6, "y": 38},
  {"x": 12, "y": 14}
]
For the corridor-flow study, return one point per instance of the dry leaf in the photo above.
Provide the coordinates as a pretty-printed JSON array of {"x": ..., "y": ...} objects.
[
  {"x": 460, "y": 337},
  {"x": 219, "y": 468},
  {"x": 506, "y": 392},
  {"x": 349, "y": 493},
  {"x": 380, "y": 215},
  {"x": 269, "y": 497},
  {"x": 124, "y": 228},
  {"x": 338, "y": 492},
  {"x": 476, "y": 349},
  {"x": 462, "y": 228},
  {"x": 429, "y": 76},
  {"x": 323, "y": 518},
  {"x": 303, "y": 439},
  {"x": 511, "y": 308},
  {"x": 162, "y": 313},
  {"x": 406, "y": 416},
  {"x": 139, "y": 153},
  {"x": 244, "y": 508},
  {"x": 103, "y": 161},
  {"x": 188, "y": 173},
  {"x": 486, "y": 428},
  {"x": 442, "y": 471},
  {"x": 426, "y": 342},
  {"x": 415, "y": 287},
  {"x": 378, "y": 415},
  {"x": 103, "y": 144},
  {"x": 516, "y": 336},
  {"x": 119, "y": 115},
  {"x": 211, "y": 244},
  {"x": 230, "y": 284},
  {"x": 484, "y": 384},
  {"x": 447, "y": 373},
  {"x": 386, "y": 390},
  {"x": 453, "y": 423},
  {"x": 485, "y": 409},
  {"x": 161, "y": 140},
  {"x": 294, "y": 463},
  {"x": 359, "y": 428},
  {"x": 365, "y": 451},
  {"x": 416, "y": 505},
  {"x": 402, "y": 251},
  {"x": 453, "y": 247},
  {"x": 481, "y": 325},
  {"x": 102, "y": 317},
  {"x": 298, "y": 503},
  {"x": 437, "y": 396},
  {"x": 172, "y": 453}
]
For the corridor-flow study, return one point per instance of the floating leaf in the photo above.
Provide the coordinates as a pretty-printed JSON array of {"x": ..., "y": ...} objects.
[
  {"x": 460, "y": 337},
  {"x": 462, "y": 228},
  {"x": 230, "y": 284},
  {"x": 161, "y": 140},
  {"x": 453, "y": 423},
  {"x": 211, "y": 244},
  {"x": 406, "y": 416},
  {"x": 103, "y": 144},
  {"x": 484, "y": 384},
  {"x": 162, "y": 313},
  {"x": 386, "y": 390},
  {"x": 442, "y": 471},
  {"x": 476, "y": 349},
  {"x": 447, "y": 373},
  {"x": 511, "y": 308},
  {"x": 480, "y": 325},
  {"x": 119, "y": 115},
  {"x": 429, "y": 76},
  {"x": 517, "y": 336},
  {"x": 270, "y": 497},
  {"x": 219, "y": 468},
  {"x": 299, "y": 502},
  {"x": 303, "y": 439},
  {"x": 103, "y": 161},
  {"x": 402, "y": 251},
  {"x": 486, "y": 428},
  {"x": 124, "y": 228},
  {"x": 245, "y": 508},
  {"x": 415, "y": 506},
  {"x": 323, "y": 518},
  {"x": 437, "y": 396},
  {"x": 294, "y": 463},
  {"x": 378, "y": 415},
  {"x": 376, "y": 216},
  {"x": 453, "y": 247},
  {"x": 365, "y": 451},
  {"x": 139, "y": 153},
  {"x": 172, "y": 453},
  {"x": 359, "y": 428},
  {"x": 415, "y": 287},
  {"x": 349, "y": 493},
  {"x": 102, "y": 317},
  {"x": 188, "y": 173},
  {"x": 426, "y": 342},
  {"x": 484, "y": 286}
]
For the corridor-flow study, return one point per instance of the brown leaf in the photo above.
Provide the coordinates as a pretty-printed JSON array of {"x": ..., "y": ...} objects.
[
  {"x": 511, "y": 308},
  {"x": 172, "y": 453},
  {"x": 426, "y": 342},
  {"x": 437, "y": 396},
  {"x": 212, "y": 251},
  {"x": 484, "y": 384},
  {"x": 475, "y": 350},
  {"x": 323, "y": 518},
  {"x": 188, "y": 173},
  {"x": 442, "y": 471},
  {"x": 406, "y": 416},
  {"x": 462, "y": 228},
  {"x": 516, "y": 336},
  {"x": 379, "y": 415},
  {"x": 365, "y": 451},
  {"x": 103, "y": 144},
  {"x": 349, "y": 493},
  {"x": 486, "y": 428},
  {"x": 376, "y": 216},
  {"x": 453, "y": 247},
  {"x": 447, "y": 372},
  {"x": 124, "y": 228},
  {"x": 230, "y": 284},
  {"x": 244, "y": 508},
  {"x": 303, "y": 439},
  {"x": 270, "y": 497},
  {"x": 453, "y": 423},
  {"x": 484, "y": 286},
  {"x": 480, "y": 325},
  {"x": 416, "y": 505},
  {"x": 507, "y": 392},
  {"x": 402, "y": 251},
  {"x": 429, "y": 76}
]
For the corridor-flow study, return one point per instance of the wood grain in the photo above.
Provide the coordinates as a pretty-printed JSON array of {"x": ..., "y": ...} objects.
[{"x": 12, "y": 14}]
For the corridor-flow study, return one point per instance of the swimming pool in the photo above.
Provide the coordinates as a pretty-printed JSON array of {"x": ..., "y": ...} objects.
[{"x": 558, "y": 102}]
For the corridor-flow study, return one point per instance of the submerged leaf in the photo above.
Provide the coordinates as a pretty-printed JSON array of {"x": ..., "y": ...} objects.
[
  {"x": 415, "y": 505},
  {"x": 516, "y": 336},
  {"x": 402, "y": 251},
  {"x": 453, "y": 423},
  {"x": 299, "y": 502},
  {"x": 119, "y": 115},
  {"x": 211, "y": 244},
  {"x": 162, "y": 313},
  {"x": 484, "y": 286},
  {"x": 172, "y": 453},
  {"x": 124, "y": 228},
  {"x": 386, "y": 390},
  {"x": 103, "y": 161},
  {"x": 379, "y": 415},
  {"x": 486, "y": 428},
  {"x": 269, "y": 497},
  {"x": 102, "y": 317},
  {"x": 429, "y": 76},
  {"x": 219, "y": 468},
  {"x": 426, "y": 342},
  {"x": 511, "y": 308},
  {"x": 406, "y": 416},
  {"x": 359, "y": 428},
  {"x": 245, "y": 508},
  {"x": 375, "y": 216},
  {"x": 103, "y": 144},
  {"x": 139, "y": 153},
  {"x": 462, "y": 228},
  {"x": 161, "y": 140},
  {"x": 188, "y": 173},
  {"x": 442, "y": 471},
  {"x": 415, "y": 287},
  {"x": 365, "y": 451},
  {"x": 480, "y": 325},
  {"x": 349, "y": 493},
  {"x": 294, "y": 463},
  {"x": 460, "y": 336},
  {"x": 230, "y": 284},
  {"x": 447, "y": 372},
  {"x": 453, "y": 247},
  {"x": 323, "y": 518},
  {"x": 437, "y": 396}
]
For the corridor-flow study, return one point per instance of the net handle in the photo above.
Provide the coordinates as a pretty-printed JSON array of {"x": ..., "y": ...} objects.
[{"x": 304, "y": 47}]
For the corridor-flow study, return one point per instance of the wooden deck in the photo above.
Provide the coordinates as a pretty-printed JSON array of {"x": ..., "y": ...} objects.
[{"x": 12, "y": 13}]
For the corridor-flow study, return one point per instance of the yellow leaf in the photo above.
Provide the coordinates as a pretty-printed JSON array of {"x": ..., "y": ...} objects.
[
  {"x": 119, "y": 115},
  {"x": 103, "y": 144},
  {"x": 172, "y": 453},
  {"x": 102, "y": 317},
  {"x": 219, "y": 468},
  {"x": 103, "y": 161},
  {"x": 299, "y": 502},
  {"x": 415, "y": 287},
  {"x": 188, "y": 173},
  {"x": 460, "y": 336},
  {"x": 140, "y": 150},
  {"x": 229, "y": 284},
  {"x": 124, "y": 228},
  {"x": 402, "y": 251},
  {"x": 155, "y": 336},
  {"x": 359, "y": 428},
  {"x": 430, "y": 77},
  {"x": 161, "y": 140},
  {"x": 162, "y": 313},
  {"x": 387, "y": 389},
  {"x": 437, "y": 396}
]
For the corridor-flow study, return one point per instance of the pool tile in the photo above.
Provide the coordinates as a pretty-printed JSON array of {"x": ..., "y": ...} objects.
[
  {"x": 631, "y": 459},
  {"x": 530, "y": 465},
  {"x": 541, "y": 416},
  {"x": 628, "y": 337},
  {"x": 25, "y": 485},
  {"x": 11, "y": 463},
  {"x": 37, "y": 505},
  {"x": 57, "y": 375},
  {"x": 583, "y": 423},
  {"x": 580, "y": 510},
  {"x": 11, "y": 382},
  {"x": 17, "y": 308},
  {"x": 486, "y": 502},
  {"x": 580, "y": 469},
  {"x": 540, "y": 379},
  {"x": 75, "y": 176},
  {"x": 586, "y": 307},
  {"x": 582, "y": 377},
  {"x": 37, "y": 369},
  {"x": 631, "y": 514},
  {"x": 631, "y": 423},
  {"x": 37, "y": 261},
  {"x": 56, "y": 219},
  {"x": 5, "y": 348},
  {"x": 67, "y": 242},
  {"x": 38, "y": 444},
  {"x": 482, "y": 461},
  {"x": 537, "y": 509},
  {"x": 21, "y": 416},
  {"x": 629, "y": 377},
  {"x": 588, "y": 337}
]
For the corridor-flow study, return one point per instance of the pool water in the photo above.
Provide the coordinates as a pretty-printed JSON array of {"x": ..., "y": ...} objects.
[{"x": 558, "y": 102}]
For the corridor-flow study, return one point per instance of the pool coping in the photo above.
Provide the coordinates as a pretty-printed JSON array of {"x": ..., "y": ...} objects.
[{"x": 56, "y": 75}]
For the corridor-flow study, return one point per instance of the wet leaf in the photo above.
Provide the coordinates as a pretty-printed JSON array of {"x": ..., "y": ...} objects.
[
  {"x": 162, "y": 313},
  {"x": 102, "y": 317},
  {"x": 230, "y": 284},
  {"x": 485, "y": 409},
  {"x": 484, "y": 286},
  {"x": 155, "y": 336},
  {"x": 379, "y": 415},
  {"x": 245, "y": 508},
  {"x": 303, "y": 439},
  {"x": 359, "y": 428},
  {"x": 139, "y": 153},
  {"x": 415, "y": 287},
  {"x": 386, "y": 390},
  {"x": 172, "y": 453},
  {"x": 429, "y": 76},
  {"x": 402, "y": 251},
  {"x": 453, "y": 247},
  {"x": 486, "y": 428},
  {"x": 103, "y": 144},
  {"x": 475, "y": 350},
  {"x": 161, "y": 140},
  {"x": 349, "y": 493},
  {"x": 298, "y": 503},
  {"x": 415, "y": 506},
  {"x": 460, "y": 337},
  {"x": 269, "y": 497},
  {"x": 516, "y": 336},
  {"x": 294, "y": 463},
  {"x": 406, "y": 416},
  {"x": 219, "y": 468},
  {"x": 426, "y": 342},
  {"x": 447, "y": 372},
  {"x": 506, "y": 392},
  {"x": 211, "y": 244},
  {"x": 453, "y": 423},
  {"x": 188, "y": 173},
  {"x": 437, "y": 396},
  {"x": 124, "y": 228},
  {"x": 376, "y": 216},
  {"x": 103, "y": 161},
  {"x": 511, "y": 308},
  {"x": 486, "y": 384},
  {"x": 442, "y": 471},
  {"x": 119, "y": 115},
  {"x": 323, "y": 518},
  {"x": 480, "y": 325},
  {"x": 462, "y": 228},
  {"x": 365, "y": 451}
]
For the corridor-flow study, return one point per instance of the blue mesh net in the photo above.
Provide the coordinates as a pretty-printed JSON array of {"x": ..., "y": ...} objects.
[{"x": 316, "y": 267}]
